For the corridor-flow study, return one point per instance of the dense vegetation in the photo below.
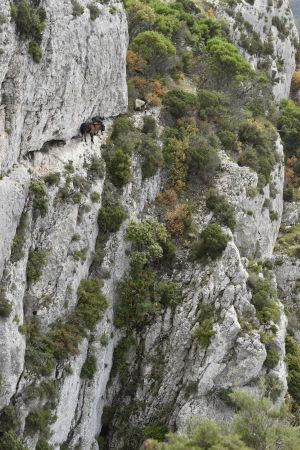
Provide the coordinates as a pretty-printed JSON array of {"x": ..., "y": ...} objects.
[{"x": 257, "y": 425}]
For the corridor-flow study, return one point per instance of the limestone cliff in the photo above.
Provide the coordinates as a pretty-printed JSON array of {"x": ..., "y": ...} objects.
[{"x": 170, "y": 378}]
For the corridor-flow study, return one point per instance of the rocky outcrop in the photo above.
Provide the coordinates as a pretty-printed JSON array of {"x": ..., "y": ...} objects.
[
  {"x": 258, "y": 211},
  {"x": 82, "y": 73}
]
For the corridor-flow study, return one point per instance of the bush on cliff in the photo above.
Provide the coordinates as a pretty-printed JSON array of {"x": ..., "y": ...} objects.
[
  {"x": 110, "y": 218},
  {"x": 119, "y": 167},
  {"x": 212, "y": 242},
  {"x": 30, "y": 20},
  {"x": 10, "y": 441},
  {"x": 257, "y": 425}
]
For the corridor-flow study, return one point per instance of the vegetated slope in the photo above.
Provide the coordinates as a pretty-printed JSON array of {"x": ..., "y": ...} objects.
[
  {"x": 218, "y": 119},
  {"x": 139, "y": 287}
]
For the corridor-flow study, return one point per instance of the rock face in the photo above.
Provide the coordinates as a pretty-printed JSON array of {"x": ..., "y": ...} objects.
[
  {"x": 83, "y": 74},
  {"x": 296, "y": 11}
]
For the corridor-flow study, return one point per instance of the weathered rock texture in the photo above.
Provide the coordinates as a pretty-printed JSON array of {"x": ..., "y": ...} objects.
[{"x": 82, "y": 74}]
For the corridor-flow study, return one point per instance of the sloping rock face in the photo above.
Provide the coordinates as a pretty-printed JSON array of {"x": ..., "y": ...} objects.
[
  {"x": 82, "y": 74},
  {"x": 266, "y": 34}
]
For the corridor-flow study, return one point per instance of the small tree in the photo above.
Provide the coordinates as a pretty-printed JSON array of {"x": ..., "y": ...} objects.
[
  {"x": 213, "y": 242},
  {"x": 227, "y": 61},
  {"x": 178, "y": 102},
  {"x": 155, "y": 49}
]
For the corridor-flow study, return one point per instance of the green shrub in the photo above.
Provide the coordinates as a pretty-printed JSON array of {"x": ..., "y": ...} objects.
[
  {"x": 289, "y": 194},
  {"x": 42, "y": 444},
  {"x": 289, "y": 125},
  {"x": 223, "y": 211},
  {"x": 95, "y": 197},
  {"x": 259, "y": 143},
  {"x": 139, "y": 16},
  {"x": 155, "y": 48},
  {"x": 149, "y": 125},
  {"x": 39, "y": 195},
  {"x": 19, "y": 239},
  {"x": 94, "y": 11},
  {"x": 38, "y": 420},
  {"x": 209, "y": 28},
  {"x": 157, "y": 432},
  {"x": 293, "y": 365},
  {"x": 175, "y": 154},
  {"x": 3, "y": 19},
  {"x": 35, "y": 51},
  {"x": 89, "y": 367},
  {"x": 110, "y": 218},
  {"x": 228, "y": 139},
  {"x": 52, "y": 178},
  {"x": 96, "y": 168},
  {"x": 77, "y": 10},
  {"x": 212, "y": 104},
  {"x": 104, "y": 340},
  {"x": 5, "y": 307},
  {"x": 204, "y": 332},
  {"x": 30, "y": 20},
  {"x": 119, "y": 167},
  {"x": 226, "y": 60},
  {"x": 213, "y": 242},
  {"x": 39, "y": 355},
  {"x": 69, "y": 167},
  {"x": 36, "y": 261},
  {"x": 8, "y": 419},
  {"x": 91, "y": 303},
  {"x": 151, "y": 44},
  {"x": 136, "y": 302},
  {"x": 152, "y": 157},
  {"x": 167, "y": 25},
  {"x": 202, "y": 159},
  {"x": 281, "y": 25},
  {"x": 122, "y": 126},
  {"x": 272, "y": 358},
  {"x": 264, "y": 299},
  {"x": 168, "y": 293},
  {"x": 66, "y": 339},
  {"x": 273, "y": 387},
  {"x": 148, "y": 239},
  {"x": 274, "y": 215},
  {"x": 81, "y": 183},
  {"x": 80, "y": 255},
  {"x": 9, "y": 441},
  {"x": 252, "y": 191},
  {"x": 179, "y": 102}
]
